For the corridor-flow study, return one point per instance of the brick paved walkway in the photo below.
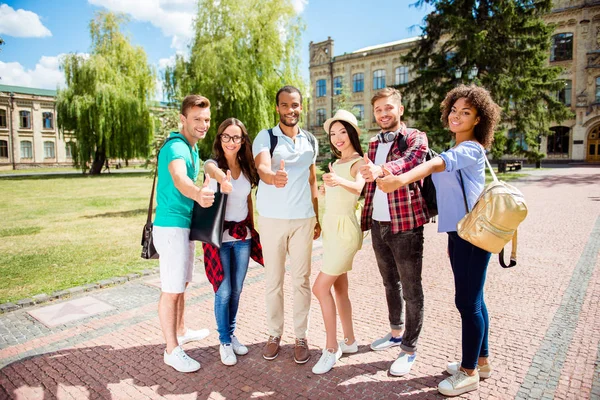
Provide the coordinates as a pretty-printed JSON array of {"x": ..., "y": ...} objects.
[{"x": 545, "y": 326}]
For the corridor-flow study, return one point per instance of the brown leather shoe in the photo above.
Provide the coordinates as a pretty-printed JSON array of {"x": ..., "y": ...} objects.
[
  {"x": 271, "y": 349},
  {"x": 301, "y": 353}
]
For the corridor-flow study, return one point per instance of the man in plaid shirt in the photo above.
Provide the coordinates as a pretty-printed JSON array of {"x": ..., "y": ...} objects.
[{"x": 396, "y": 223}]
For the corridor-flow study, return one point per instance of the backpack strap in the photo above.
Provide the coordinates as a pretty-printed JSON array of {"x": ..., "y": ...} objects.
[
  {"x": 273, "y": 141},
  {"x": 513, "y": 254}
]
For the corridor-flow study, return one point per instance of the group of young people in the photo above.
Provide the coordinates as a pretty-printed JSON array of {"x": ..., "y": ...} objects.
[{"x": 281, "y": 163}]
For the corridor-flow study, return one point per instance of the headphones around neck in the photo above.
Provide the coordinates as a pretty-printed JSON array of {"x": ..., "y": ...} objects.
[{"x": 387, "y": 137}]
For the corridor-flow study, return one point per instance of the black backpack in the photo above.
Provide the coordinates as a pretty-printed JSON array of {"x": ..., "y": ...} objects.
[
  {"x": 273, "y": 141},
  {"x": 427, "y": 188}
]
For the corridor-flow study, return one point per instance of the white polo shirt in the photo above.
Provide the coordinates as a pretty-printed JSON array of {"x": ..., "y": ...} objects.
[{"x": 294, "y": 200}]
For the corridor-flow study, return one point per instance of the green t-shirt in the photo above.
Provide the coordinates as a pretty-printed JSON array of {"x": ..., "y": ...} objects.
[{"x": 173, "y": 209}]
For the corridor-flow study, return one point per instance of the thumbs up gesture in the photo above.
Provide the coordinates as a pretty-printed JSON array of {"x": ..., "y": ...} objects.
[
  {"x": 206, "y": 196},
  {"x": 226, "y": 186},
  {"x": 330, "y": 178},
  {"x": 281, "y": 176},
  {"x": 370, "y": 171}
]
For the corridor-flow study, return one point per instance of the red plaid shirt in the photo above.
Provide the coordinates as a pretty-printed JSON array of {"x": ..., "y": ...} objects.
[
  {"x": 407, "y": 207},
  {"x": 212, "y": 259}
]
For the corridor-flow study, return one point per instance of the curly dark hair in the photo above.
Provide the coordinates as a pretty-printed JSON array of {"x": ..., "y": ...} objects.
[
  {"x": 244, "y": 154},
  {"x": 487, "y": 110}
]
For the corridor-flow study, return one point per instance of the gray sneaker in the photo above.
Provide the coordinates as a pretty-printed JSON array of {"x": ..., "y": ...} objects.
[{"x": 386, "y": 342}]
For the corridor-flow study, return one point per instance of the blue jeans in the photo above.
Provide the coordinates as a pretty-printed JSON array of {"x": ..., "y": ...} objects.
[
  {"x": 235, "y": 257},
  {"x": 469, "y": 265}
]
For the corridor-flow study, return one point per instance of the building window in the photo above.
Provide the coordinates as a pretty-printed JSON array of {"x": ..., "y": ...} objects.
[
  {"x": 48, "y": 120},
  {"x": 378, "y": 79},
  {"x": 3, "y": 118},
  {"x": 337, "y": 85},
  {"x": 562, "y": 47},
  {"x": 518, "y": 138},
  {"x": 564, "y": 95},
  {"x": 49, "y": 149},
  {"x": 597, "y": 90},
  {"x": 69, "y": 150},
  {"x": 26, "y": 151},
  {"x": 25, "y": 119},
  {"x": 321, "y": 116},
  {"x": 558, "y": 142},
  {"x": 358, "y": 82},
  {"x": 401, "y": 75},
  {"x": 321, "y": 88},
  {"x": 359, "y": 111},
  {"x": 3, "y": 149}
]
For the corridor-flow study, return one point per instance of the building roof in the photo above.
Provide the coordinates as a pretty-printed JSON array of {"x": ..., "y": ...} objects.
[
  {"x": 27, "y": 90},
  {"x": 389, "y": 44}
]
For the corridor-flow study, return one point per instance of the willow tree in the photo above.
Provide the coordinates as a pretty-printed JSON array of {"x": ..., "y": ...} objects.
[
  {"x": 243, "y": 51},
  {"x": 105, "y": 104},
  {"x": 502, "y": 45}
]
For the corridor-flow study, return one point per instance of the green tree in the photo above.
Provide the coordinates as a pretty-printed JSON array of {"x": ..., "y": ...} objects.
[
  {"x": 242, "y": 53},
  {"x": 105, "y": 104},
  {"x": 501, "y": 45}
]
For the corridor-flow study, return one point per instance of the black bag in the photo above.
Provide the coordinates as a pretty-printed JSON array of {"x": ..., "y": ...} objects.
[
  {"x": 207, "y": 223},
  {"x": 148, "y": 249},
  {"x": 427, "y": 188}
]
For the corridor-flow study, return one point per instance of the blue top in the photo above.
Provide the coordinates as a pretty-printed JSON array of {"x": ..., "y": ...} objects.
[
  {"x": 293, "y": 201},
  {"x": 469, "y": 158},
  {"x": 173, "y": 209}
]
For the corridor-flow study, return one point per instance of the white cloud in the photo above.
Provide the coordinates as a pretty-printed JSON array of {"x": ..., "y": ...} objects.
[
  {"x": 299, "y": 5},
  {"x": 45, "y": 75},
  {"x": 166, "y": 62},
  {"x": 173, "y": 17},
  {"x": 21, "y": 23}
]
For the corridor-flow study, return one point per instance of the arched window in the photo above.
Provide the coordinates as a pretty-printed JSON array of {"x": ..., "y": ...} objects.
[
  {"x": 3, "y": 149},
  {"x": 337, "y": 85},
  {"x": 562, "y": 47},
  {"x": 26, "y": 149},
  {"x": 25, "y": 119},
  {"x": 564, "y": 95},
  {"x": 49, "y": 149},
  {"x": 3, "y": 118},
  {"x": 321, "y": 88},
  {"x": 321, "y": 116},
  {"x": 558, "y": 142},
  {"x": 378, "y": 79},
  {"x": 358, "y": 82},
  {"x": 518, "y": 138},
  {"x": 401, "y": 75},
  {"x": 48, "y": 120}
]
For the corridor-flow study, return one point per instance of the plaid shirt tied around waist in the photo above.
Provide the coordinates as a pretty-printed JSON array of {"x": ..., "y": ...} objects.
[
  {"x": 212, "y": 259},
  {"x": 407, "y": 206}
]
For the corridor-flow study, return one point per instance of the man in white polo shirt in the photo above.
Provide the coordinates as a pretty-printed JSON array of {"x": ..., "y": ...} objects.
[{"x": 286, "y": 202}]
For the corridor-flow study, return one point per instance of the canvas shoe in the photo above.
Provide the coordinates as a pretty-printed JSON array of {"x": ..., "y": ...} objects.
[
  {"x": 386, "y": 342},
  {"x": 191, "y": 335},
  {"x": 485, "y": 371},
  {"x": 238, "y": 348},
  {"x": 181, "y": 361},
  {"x": 403, "y": 364},
  {"x": 227, "y": 355},
  {"x": 459, "y": 383},
  {"x": 327, "y": 361},
  {"x": 348, "y": 348}
]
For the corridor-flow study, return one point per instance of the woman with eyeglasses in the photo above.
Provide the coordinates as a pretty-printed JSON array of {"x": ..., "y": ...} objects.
[{"x": 232, "y": 166}]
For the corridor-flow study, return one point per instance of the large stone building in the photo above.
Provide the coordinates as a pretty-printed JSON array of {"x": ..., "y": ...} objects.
[
  {"x": 28, "y": 132},
  {"x": 575, "y": 47}
]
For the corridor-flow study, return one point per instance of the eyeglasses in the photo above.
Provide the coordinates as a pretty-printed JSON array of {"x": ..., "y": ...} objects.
[{"x": 236, "y": 139}]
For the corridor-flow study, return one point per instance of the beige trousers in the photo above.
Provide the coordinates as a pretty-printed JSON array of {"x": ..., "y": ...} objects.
[{"x": 278, "y": 238}]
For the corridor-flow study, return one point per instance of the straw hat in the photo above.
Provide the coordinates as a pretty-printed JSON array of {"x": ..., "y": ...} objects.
[{"x": 342, "y": 115}]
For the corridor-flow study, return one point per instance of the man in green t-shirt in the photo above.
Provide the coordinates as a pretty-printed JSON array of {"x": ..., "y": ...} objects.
[{"x": 178, "y": 167}]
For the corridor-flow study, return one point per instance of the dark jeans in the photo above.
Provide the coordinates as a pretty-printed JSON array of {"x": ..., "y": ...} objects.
[
  {"x": 400, "y": 261},
  {"x": 469, "y": 265}
]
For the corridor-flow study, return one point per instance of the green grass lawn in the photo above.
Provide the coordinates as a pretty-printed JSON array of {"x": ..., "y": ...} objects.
[{"x": 61, "y": 232}]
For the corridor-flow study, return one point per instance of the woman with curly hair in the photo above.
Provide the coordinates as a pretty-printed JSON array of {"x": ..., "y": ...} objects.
[{"x": 471, "y": 116}]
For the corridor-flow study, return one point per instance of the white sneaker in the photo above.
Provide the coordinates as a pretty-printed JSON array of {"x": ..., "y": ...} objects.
[
  {"x": 191, "y": 335},
  {"x": 227, "y": 355},
  {"x": 386, "y": 342},
  {"x": 238, "y": 348},
  {"x": 348, "y": 348},
  {"x": 459, "y": 383},
  {"x": 181, "y": 361},
  {"x": 403, "y": 364},
  {"x": 327, "y": 361},
  {"x": 485, "y": 371}
]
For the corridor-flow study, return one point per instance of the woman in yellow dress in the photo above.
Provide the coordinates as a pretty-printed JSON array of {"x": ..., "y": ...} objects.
[{"x": 342, "y": 236}]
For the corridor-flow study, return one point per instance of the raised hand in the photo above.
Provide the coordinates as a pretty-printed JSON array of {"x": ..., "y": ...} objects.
[
  {"x": 281, "y": 176},
  {"x": 389, "y": 183},
  {"x": 370, "y": 171},
  {"x": 331, "y": 179},
  {"x": 226, "y": 186},
  {"x": 206, "y": 196}
]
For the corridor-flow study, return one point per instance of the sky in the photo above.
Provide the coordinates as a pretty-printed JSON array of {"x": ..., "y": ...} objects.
[{"x": 38, "y": 32}]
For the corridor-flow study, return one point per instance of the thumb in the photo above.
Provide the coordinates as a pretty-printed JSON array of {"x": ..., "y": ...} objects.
[
  {"x": 330, "y": 168},
  {"x": 206, "y": 180},
  {"x": 367, "y": 161},
  {"x": 282, "y": 165},
  {"x": 228, "y": 176}
]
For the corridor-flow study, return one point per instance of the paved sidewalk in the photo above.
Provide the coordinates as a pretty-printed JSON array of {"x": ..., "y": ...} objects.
[{"x": 544, "y": 338}]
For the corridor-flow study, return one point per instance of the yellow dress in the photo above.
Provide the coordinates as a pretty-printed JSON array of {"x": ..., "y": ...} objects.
[{"x": 342, "y": 236}]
